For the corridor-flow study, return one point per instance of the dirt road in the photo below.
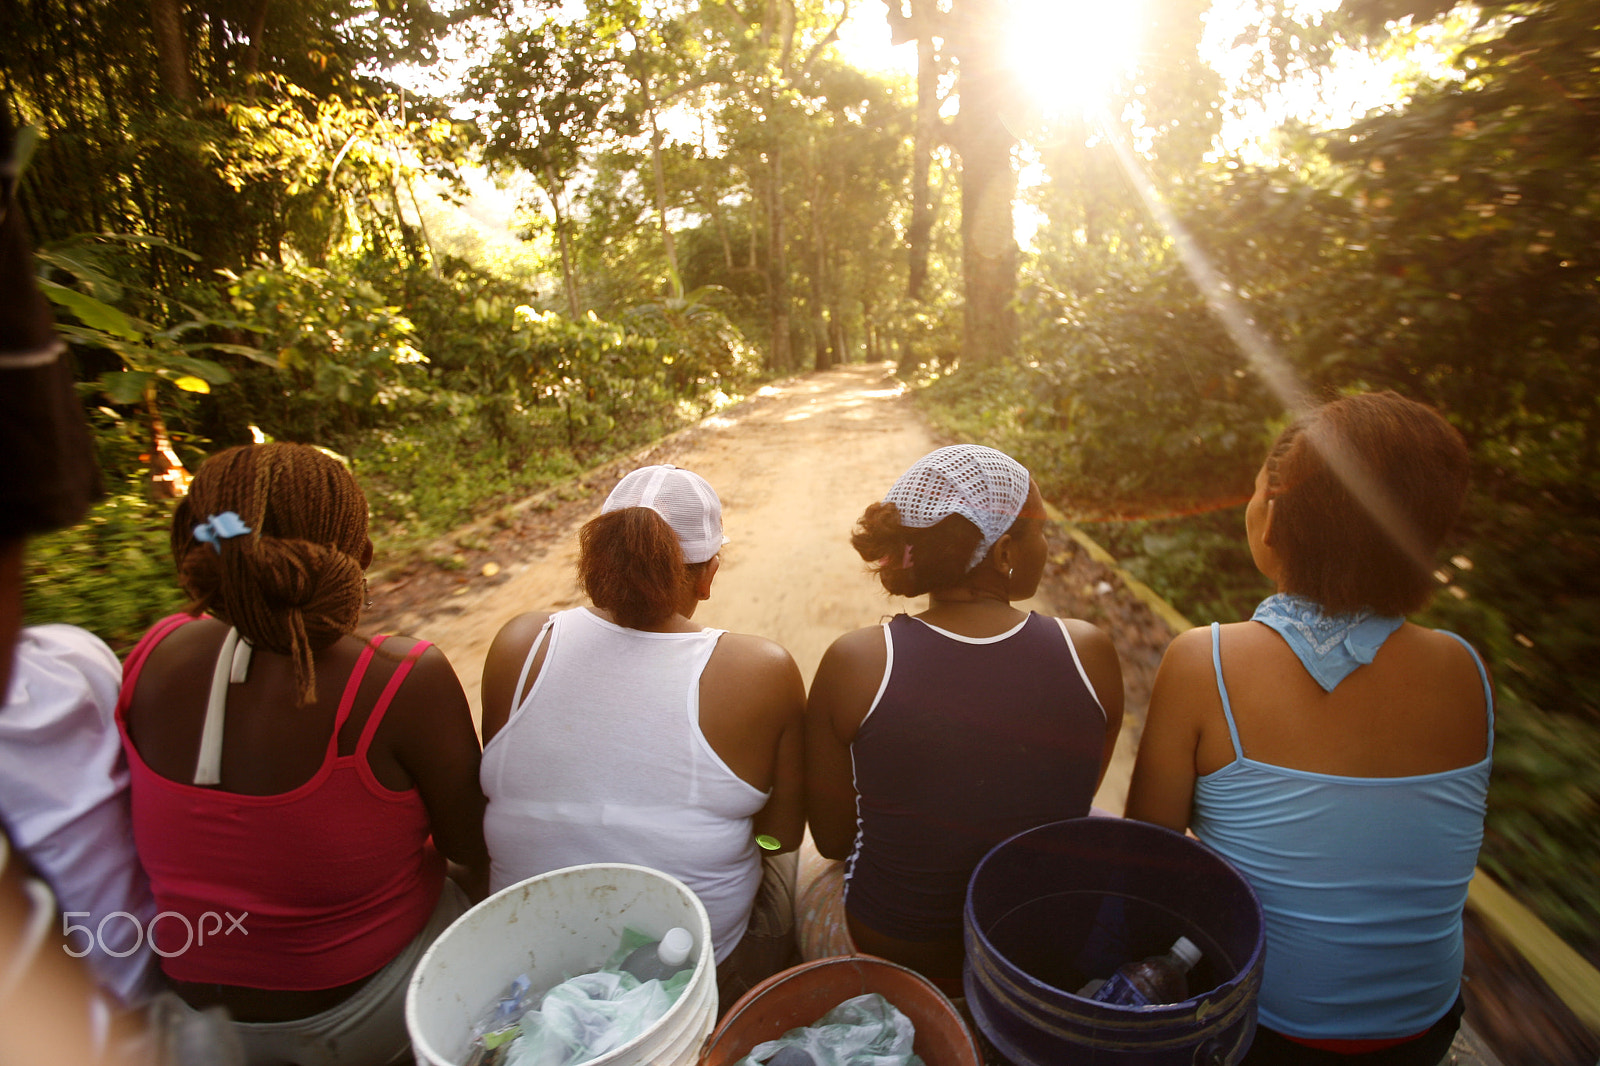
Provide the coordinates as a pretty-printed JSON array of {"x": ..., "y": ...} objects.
[{"x": 794, "y": 467}]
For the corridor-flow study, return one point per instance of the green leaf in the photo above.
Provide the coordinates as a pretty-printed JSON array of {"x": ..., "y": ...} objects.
[
  {"x": 257, "y": 354},
  {"x": 22, "y": 149},
  {"x": 205, "y": 369},
  {"x": 126, "y": 386},
  {"x": 89, "y": 273},
  {"x": 92, "y": 312},
  {"x": 148, "y": 241}
]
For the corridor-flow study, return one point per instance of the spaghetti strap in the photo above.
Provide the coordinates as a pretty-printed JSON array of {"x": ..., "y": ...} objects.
[
  {"x": 351, "y": 687},
  {"x": 375, "y": 718},
  {"x": 1483, "y": 676},
  {"x": 1222, "y": 689}
]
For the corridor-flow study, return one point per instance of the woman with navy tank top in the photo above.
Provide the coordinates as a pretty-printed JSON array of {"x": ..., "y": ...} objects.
[
  {"x": 933, "y": 737},
  {"x": 1335, "y": 753}
]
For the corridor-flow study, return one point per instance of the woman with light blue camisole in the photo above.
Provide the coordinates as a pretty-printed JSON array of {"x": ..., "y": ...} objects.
[{"x": 1335, "y": 753}]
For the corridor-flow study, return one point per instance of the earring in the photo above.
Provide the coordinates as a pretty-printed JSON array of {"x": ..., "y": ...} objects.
[{"x": 365, "y": 593}]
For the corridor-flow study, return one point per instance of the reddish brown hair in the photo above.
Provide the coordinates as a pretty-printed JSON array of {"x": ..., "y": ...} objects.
[
  {"x": 1364, "y": 491},
  {"x": 293, "y": 585},
  {"x": 630, "y": 563}
]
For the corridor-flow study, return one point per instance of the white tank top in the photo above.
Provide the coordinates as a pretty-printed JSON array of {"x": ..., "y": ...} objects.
[{"x": 604, "y": 761}]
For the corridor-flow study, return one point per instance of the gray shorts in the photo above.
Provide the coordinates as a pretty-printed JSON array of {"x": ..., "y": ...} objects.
[{"x": 768, "y": 945}]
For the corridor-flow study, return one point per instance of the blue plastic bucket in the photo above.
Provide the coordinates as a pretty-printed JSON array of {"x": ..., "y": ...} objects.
[{"x": 1055, "y": 906}]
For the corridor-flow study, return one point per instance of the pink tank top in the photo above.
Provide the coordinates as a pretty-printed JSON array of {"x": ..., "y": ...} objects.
[{"x": 308, "y": 889}]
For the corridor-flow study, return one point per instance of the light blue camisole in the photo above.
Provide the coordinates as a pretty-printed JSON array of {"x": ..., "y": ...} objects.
[{"x": 1362, "y": 881}]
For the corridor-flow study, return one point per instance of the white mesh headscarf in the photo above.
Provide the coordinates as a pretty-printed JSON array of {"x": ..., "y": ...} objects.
[
  {"x": 685, "y": 499},
  {"x": 986, "y": 487}
]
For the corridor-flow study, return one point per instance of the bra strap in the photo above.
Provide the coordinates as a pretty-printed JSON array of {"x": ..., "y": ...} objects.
[
  {"x": 1222, "y": 689},
  {"x": 375, "y": 718},
  {"x": 351, "y": 687},
  {"x": 208, "y": 765}
]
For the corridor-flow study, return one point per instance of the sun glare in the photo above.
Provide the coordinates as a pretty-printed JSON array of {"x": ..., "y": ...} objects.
[{"x": 1069, "y": 54}]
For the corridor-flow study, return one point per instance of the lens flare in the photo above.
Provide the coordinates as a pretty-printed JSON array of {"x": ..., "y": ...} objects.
[{"x": 1069, "y": 55}]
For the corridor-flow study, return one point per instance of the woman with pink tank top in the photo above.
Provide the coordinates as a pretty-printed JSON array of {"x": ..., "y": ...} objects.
[{"x": 296, "y": 790}]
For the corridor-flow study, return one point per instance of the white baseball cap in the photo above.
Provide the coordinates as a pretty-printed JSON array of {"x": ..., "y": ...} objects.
[
  {"x": 987, "y": 487},
  {"x": 685, "y": 499}
]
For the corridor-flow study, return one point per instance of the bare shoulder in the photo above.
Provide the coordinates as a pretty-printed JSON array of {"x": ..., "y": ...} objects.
[
  {"x": 1086, "y": 635},
  {"x": 749, "y": 680},
  {"x": 849, "y": 675},
  {"x": 859, "y": 649},
  {"x": 1191, "y": 649},
  {"x": 431, "y": 674},
  {"x": 520, "y": 631},
  {"x": 201, "y": 636},
  {"x": 1446, "y": 645},
  {"x": 754, "y": 659},
  {"x": 1444, "y": 654}
]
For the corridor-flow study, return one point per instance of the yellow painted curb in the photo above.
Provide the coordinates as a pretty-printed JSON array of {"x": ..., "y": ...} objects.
[
  {"x": 1568, "y": 974},
  {"x": 1142, "y": 592}
]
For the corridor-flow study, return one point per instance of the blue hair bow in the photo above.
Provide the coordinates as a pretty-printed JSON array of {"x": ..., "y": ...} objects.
[{"x": 218, "y": 528}]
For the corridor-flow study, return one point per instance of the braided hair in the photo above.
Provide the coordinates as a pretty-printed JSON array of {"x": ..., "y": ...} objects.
[{"x": 294, "y": 584}]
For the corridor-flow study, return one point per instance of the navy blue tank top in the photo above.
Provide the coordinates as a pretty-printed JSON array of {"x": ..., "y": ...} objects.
[{"x": 970, "y": 741}]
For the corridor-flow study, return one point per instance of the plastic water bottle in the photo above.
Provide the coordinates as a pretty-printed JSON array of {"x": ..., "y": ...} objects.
[
  {"x": 662, "y": 959},
  {"x": 1158, "y": 979}
]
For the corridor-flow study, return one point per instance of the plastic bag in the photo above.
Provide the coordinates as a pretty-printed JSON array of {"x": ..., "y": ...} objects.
[
  {"x": 579, "y": 1019},
  {"x": 865, "y": 1031},
  {"x": 585, "y": 1017}
]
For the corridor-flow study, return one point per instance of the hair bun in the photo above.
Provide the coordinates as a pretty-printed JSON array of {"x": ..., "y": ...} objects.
[{"x": 317, "y": 582}]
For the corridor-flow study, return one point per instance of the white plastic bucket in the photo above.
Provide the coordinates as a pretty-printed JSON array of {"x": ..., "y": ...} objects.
[{"x": 552, "y": 927}]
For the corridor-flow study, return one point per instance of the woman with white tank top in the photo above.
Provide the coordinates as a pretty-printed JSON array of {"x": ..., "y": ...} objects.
[{"x": 623, "y": 732}]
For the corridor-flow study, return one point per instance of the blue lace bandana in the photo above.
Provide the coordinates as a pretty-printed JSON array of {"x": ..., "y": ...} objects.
[{"x": 1330, "y": 646}]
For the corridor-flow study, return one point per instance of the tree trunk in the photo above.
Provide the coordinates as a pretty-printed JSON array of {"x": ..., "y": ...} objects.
[
  {"x": 782, "y": 356},
  {"x": 252, "y": 55},
  {"x": 754, "y": 263},
  {"x": 172, "y": 51},
  {"x": 821, "y": 326},
  {"x": 713, "y": 205},
  {"x": 667, "y": 245},
  {"x": 920, "y": 235},
  {"x": 553, "y": 188},
  {"x": 988, "y": 186}
]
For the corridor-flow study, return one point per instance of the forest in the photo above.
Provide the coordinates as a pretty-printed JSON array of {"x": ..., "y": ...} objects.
[{"x": 265, "y": 219}]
